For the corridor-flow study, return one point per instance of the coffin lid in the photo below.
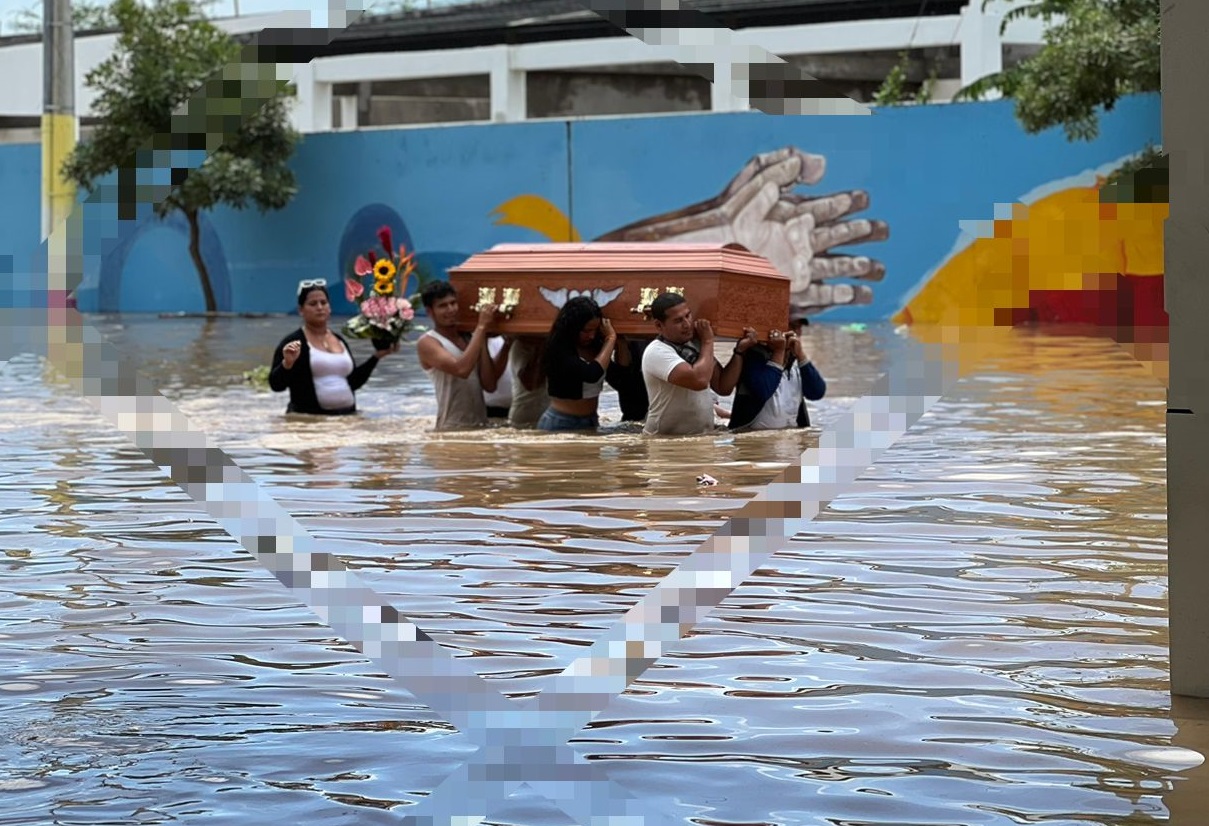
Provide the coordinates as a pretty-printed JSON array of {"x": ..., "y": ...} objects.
[{"x": 609, "y": 256}]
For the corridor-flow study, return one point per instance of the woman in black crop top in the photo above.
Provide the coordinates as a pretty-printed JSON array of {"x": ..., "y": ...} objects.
[{"x": 578, "y": 351}]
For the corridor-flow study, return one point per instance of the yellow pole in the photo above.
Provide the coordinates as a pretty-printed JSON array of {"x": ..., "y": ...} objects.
[
  {"x": 58, "y": 193},
  {"x": 58, "y": 112}
]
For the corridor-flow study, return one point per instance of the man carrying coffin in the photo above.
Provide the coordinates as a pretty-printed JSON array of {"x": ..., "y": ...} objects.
[{"x": 679, "y": 370}]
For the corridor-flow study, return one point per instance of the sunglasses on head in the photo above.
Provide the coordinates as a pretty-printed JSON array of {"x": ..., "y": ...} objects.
[{"x": 315, "y": 282}]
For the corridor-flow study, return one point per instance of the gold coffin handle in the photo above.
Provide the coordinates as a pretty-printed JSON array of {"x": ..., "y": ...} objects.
[
  {"x": 648, "y": 296},
  {"x": 512, "y": 299},
  {"x": 487, "y": 295}
]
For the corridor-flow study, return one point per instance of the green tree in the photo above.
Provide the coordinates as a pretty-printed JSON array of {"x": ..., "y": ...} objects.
[
  {"x": 1095, "y": 52},
  {"x": 894, "y": 92},
  {"x": 165, "y": 53}
]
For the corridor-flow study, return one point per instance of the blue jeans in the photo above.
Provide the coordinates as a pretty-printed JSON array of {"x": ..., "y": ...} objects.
[{"x": 554, "y": 420}]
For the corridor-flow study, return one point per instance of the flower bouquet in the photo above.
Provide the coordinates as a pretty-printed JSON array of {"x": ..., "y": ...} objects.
[{"x": 384, "y": 314}]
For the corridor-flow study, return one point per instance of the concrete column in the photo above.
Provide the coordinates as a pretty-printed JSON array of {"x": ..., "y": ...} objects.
[
  {"x": 348, "y": 112},
  {"x": 981, "y": 45},
  {"x": 722, "y": 90},
  {"x": 1186, "y": 293},
  {"x": 312, "y": 110},
  {"x": 322, "y": 108},
  {"x": 508, "y": 88}
]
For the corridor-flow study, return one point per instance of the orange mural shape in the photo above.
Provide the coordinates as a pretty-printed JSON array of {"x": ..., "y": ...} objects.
[{"x": 1067, "y": 259}]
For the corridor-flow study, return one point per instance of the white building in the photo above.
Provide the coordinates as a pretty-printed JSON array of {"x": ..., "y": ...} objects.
[{"x": 531, "y": 59}]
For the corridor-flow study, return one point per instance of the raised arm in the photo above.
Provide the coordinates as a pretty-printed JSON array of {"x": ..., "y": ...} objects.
[
  {"x": 284, "y": 358},
  {"x": 610, "y": 343},
  {"x": 489, "y": 377},
  {"x": 532, "y": 375},
  {"x": 698, "y": 376},
  {"x": 435, "y": 357},
  {"x": 727, "y": 378}
]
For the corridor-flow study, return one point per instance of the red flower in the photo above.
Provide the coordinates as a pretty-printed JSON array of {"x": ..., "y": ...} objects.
[
  {"x": 372, "y": 258},
  {"x": 362, "y": 266},
  {"x": 353, "y": 288},
  {"x": 384, "y": 237}
]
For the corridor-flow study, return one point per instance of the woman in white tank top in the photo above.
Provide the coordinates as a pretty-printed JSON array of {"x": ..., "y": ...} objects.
[{"x": 315, "y": 364}]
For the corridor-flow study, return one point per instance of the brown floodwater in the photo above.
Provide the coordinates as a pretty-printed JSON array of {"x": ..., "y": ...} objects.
[{"x": 975, "y": 633}]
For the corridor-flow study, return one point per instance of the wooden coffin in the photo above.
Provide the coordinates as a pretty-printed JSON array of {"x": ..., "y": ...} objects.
[{"x": 727, "y": 284}]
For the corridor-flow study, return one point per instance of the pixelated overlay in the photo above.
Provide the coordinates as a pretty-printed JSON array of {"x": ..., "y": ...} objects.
[
  {"x": 521, "y": 744},
  {"x": 753, "y": 77}
]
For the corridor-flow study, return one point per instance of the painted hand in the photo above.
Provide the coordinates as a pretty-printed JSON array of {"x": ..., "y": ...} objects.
[{"x": 760, "y": 210}]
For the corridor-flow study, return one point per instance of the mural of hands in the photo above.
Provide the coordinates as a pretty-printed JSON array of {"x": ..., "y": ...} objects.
[{"x": 760, "y": 210}]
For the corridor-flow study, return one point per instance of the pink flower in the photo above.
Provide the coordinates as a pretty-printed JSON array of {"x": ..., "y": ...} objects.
[
  {"x": 352, "y": 289},
  {"x": 378, "y": 308},
  {"x": 362, "y": 266},
  {"x": 408, "y": 314}
]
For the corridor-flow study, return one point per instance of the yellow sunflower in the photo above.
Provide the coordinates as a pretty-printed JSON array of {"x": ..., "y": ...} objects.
[
  {"x": 384, "y": 286},
  {"x": 384, "y": 269}
]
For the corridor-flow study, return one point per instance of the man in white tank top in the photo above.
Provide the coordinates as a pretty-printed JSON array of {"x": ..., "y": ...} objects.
[{"x": 461, "y": 368}]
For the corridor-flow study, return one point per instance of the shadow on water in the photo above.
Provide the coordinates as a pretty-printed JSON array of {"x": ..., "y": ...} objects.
[{"x": 974, "y": 634}]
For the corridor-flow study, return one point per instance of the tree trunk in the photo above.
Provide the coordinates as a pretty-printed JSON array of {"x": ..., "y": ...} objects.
[{"x": 198, "y": 262}]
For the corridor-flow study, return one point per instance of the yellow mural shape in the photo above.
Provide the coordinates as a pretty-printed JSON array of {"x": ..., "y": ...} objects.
[
  {"x": 533, "y": 212},
  {"x": 1064, "y": 241}
]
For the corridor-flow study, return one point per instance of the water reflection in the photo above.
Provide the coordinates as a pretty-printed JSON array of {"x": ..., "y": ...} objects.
[{"x": 975, "y": 634}]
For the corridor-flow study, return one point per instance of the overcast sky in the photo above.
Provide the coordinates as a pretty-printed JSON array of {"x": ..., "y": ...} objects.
[{"x": 221, "y": 8}]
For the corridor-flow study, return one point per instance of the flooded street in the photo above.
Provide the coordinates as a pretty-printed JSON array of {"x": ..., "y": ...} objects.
[{"x": 975, "y": 633}]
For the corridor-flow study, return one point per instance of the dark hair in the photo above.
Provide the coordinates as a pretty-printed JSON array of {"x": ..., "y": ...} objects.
[
  {"x": 663, "y": 303},
  {"x": 305, "y": 291},
  {"x": 434, "y": 292},
  {"x": 564, "y": 332}
]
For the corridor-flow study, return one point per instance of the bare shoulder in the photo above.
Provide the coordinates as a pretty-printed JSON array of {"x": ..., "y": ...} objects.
[{"x": 427, "y": 348}]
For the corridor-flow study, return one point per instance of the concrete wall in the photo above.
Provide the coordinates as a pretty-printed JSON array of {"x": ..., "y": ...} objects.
[{"x": 930, "y": 174}]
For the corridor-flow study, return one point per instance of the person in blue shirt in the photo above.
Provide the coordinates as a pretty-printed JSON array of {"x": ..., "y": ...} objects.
[{"x": 776, "y": 380}]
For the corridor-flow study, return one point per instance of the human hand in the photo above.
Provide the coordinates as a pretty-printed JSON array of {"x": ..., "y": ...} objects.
[
  {"x": 705, "y": 331},
  {"x": 797, "y": 346},
  {"x": 760, "y": 210},
  {"x": 290, "y": 353},
  {"x": 381, "y": 354},
  {"x": 776, "y": 340},
  {"x": 486, "y": 315},
  {"x": 747, "y": 341},
  {"x": 606, "y": 327}
]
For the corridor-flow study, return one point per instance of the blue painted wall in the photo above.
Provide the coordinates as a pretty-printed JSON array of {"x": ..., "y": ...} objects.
[{"x": 925, "y": 168}]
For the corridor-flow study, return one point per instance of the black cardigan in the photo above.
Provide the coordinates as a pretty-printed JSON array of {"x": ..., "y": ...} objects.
[{"x": 301, "y": 383}]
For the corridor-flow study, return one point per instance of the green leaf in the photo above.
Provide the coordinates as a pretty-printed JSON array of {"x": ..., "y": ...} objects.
[{"x": 174, "y": 79}]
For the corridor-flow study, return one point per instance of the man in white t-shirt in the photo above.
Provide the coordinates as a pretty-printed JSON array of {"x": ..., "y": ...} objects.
[{"x": 679, "y": 370}]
